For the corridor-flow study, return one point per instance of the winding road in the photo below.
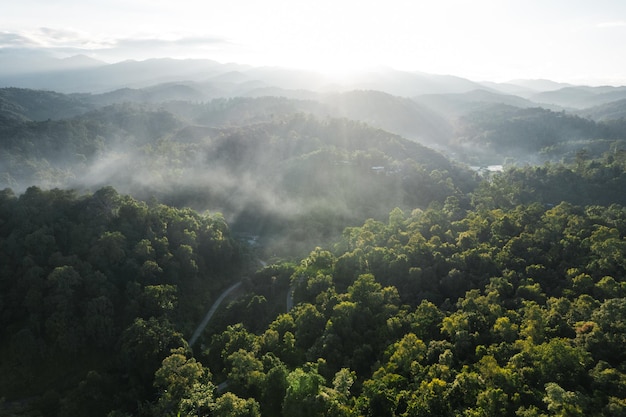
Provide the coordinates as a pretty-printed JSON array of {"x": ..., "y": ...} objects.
[
  {"x": 222, "y": 297},
  {"x": 292, "y": 287},
  {"x": 196, "y": 334},
  {"x": 211, "y": 312},
  {"x": 289, "y": 300}
]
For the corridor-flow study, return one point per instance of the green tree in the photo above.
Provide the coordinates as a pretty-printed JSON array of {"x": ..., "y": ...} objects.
[
  {"x": 561, "y": 402},
  {"x": 229, "y": 405},
  {"x": 180, "y": 380},
  {"x": 144, "y": 345},
  {"x": 303, "y": 398},
  {"x": 246, "y": 373},
  {"x": 611, "y": 317},
  {"x": 407, "y": 357}
]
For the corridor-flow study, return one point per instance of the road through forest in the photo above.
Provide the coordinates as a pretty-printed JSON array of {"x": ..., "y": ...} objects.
[
  {"x": 222, "y": 297},
  {"x": 211, "y": 312}
]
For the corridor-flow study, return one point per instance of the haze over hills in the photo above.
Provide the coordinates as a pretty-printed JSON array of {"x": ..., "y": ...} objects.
[
  {"x": 439, "y": 111},
  {"x": 188, "y": 140},
  {"x": 309, "y": 209},
  {"x": 80, "y": 75},
  {"x": 20, "y": 62},
  {"x": 539, "y": 85},
  {"x": 266, "y": 163},
  {"x": 119, "y": 116},
  {"x": 582, "y": 96},
  {"x": 452, "y": 106},
  {"x": 614, "y": 110},
  {"x": 284, "y": 163}
]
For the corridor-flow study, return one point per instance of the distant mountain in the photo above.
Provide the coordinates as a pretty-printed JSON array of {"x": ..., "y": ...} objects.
[
  {"x": 18, "y": 62},
  {"x": 243, "y": 111},
  {"x": 283, "y": 92},
  {"x": 501, "y": 131},
  {"x": 508, "y": 88},
  {"x": 231, "y": 77},
  {"x": 218, "y": 105},
  {"x": 126, "y": 74},
  {"x": 377, "y": 109},
  {"x": 154, "y": 94},
  {"x": 394, "y": 114},
  {"x": 295, "y": 175},
  {"x": 395, "y": 82},
  {"x": 540, "y": 85},
  {"x": 581, "y": 97},
  {"x": 79, "y": 61},
  {"x": 398, "y": 115},
  {"x": 614, "y": 110},
  {"x": 409, "y": 84},
  {"x": 37, "y": 105},
  {"x": 182, "y": 91},
  {"x": 25, "y": 104},
  {"x": 453, "y": 106},
  {"x": 81, "y": 74}
]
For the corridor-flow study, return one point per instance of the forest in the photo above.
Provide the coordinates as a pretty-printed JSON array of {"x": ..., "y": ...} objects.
[{"x": 378, "y": 273}]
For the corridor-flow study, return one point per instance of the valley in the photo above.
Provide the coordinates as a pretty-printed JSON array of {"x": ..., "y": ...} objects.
[{"x": 434, "y": 245}]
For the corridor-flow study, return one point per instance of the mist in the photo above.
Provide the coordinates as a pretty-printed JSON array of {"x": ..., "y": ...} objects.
[
  {"x": 296, "y": 166},
  {"x": 292, "y": 177},
  {"x": 312, "y": 208}
]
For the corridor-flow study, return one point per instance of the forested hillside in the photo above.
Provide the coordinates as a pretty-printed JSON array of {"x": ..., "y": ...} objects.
[
  {"x": 396, "y": 281},
  {"x": 479, "y": 127},
  {"x": 288, "y": 176},
  {"x": 25, "y": 104},
  {"x": 503, "y": 308},
  {"x": 99, "y": 289},
  {"x": 530, "y": 135}
]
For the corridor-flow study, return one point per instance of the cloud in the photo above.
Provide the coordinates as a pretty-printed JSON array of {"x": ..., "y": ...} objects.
[
  {"x": 176, "y": 47},
  {"x": 64, "y": 42},
  {"x": 14, "y": 40},
  {"x": 191, "y": 41},
  {"x": 52, "y": 39},
  {"x": 614, "y": 24},
  {"x": 173, "y": 46},
  {"x": 59, "y": 35}
]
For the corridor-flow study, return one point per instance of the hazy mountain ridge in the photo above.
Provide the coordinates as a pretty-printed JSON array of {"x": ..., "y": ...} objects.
[
  {"x": 528, "y": 135},
  {"x": 15, "y": 62},
  {"x": 26, "y": 104},
  {"x": 154, "y": 94},
  {"x": 139, "y": 74},
  {"x": 157, "y": 80},
  {"x": 271, "y": 170},
  {"x": 453, "y": 106},
  {"x": 190, "y": 102},
  {"x": 614, "y": 110},
  {"x": 538, "y": 85},
  {"x": 395, "y": 114},
  {"x": 477, "y": 126},
  {"x": 579, "y": 97},
  {"x": 125, "y": 74},
  {"x": 485, "y": 119}
]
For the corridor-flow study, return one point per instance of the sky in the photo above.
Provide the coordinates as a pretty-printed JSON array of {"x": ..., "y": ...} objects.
[{"x": 578, "y": 41}]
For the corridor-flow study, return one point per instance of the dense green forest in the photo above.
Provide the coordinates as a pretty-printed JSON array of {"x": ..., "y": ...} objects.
[
  {"x": 502, "y": 308},
  {"x": 102, "y": 283},
  {"x": 394, "y": 281},
  {"x": 531, "y": 135}
]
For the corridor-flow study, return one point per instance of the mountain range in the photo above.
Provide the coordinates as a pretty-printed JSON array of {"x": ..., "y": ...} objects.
[
  {"x": 473, "y": 122},
  {"x": 207, "y": 79}
]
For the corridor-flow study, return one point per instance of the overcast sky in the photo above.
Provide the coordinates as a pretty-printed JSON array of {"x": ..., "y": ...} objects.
[{"x": 580, "y": 41}]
